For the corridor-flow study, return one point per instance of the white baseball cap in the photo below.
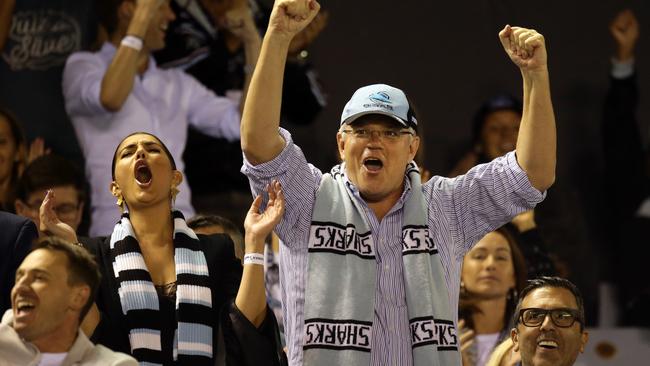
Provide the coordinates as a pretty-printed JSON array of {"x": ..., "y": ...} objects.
[{"x": 379, "y": 99}]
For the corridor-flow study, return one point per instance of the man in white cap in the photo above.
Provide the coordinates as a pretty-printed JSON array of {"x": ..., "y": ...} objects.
[{"x": 371, "y": 256}]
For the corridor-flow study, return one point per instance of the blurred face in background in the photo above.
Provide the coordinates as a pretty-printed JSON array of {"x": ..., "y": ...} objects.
[
  {"x": 9, "y": 155},
  {"x": 68, "y": 207},
  {"x": 488, "y": 270},
  {"x": 499, "y": 132}
]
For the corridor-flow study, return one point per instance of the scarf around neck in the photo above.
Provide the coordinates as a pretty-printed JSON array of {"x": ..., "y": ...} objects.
[
  {"x": 341, "y": 280},
  {"x": 140, "y": 304}
]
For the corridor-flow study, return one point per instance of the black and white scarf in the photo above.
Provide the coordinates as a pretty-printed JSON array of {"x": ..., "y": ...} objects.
[{"x": 139, "y": 299}]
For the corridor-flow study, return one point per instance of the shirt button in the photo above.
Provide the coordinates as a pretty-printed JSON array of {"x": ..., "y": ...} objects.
[{"x": 387, "y": 267}]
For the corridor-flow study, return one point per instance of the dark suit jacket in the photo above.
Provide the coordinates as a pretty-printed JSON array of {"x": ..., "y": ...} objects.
[{"x": 16, "y": 237}]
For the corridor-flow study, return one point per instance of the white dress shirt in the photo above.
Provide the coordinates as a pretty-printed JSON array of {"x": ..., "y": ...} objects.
[{"x": 162, "y": 102}]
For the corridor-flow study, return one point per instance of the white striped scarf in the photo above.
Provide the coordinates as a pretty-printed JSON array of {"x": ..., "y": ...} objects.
[
  {"x": 341, "y": 281},
  {"x": 139, "y": 299}
]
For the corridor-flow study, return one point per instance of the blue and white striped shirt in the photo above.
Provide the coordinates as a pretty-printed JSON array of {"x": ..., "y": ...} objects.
[{"x": 461, "y": 211}]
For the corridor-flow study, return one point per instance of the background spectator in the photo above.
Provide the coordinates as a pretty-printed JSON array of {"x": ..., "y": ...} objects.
[
  {"x": 12, "y": 157},
  {"x": 493, "y": 273},
  {"x": 64, "y": 179}
]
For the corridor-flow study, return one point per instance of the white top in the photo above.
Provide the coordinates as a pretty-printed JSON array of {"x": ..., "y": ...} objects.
[
  {"x": 485, "y": 343},
  {"x": 52, "y": 359},
  {"x": 162, "y": 102}
]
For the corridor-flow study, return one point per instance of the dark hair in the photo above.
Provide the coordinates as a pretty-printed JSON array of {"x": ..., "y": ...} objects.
[
  {"x": 467, "y": 303},
  {"x": 82, "y": 268},
  {"x": 19, "y": 141},
  {"x": 557, "y": 282},
  {"x": 498, "y": 102},
  {"x": 49, "y": 171},
  {"x": 169, "y": 155},
  {"x": 202, "y": 221},
  {"x": 107, "y": 12}
]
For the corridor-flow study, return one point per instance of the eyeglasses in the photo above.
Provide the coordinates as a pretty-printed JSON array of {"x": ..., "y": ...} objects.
[
  {"x": 62, "y": 211},
  {"x": 561, "y": 317},
  {"x": 387, "y": 135}
]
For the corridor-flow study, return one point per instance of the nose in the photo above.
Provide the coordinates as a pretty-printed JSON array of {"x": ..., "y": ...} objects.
[
  {"x": 547, "y": 324},
  {"x": 490, "y": 262},
  {"x": 141, "y": 152}
]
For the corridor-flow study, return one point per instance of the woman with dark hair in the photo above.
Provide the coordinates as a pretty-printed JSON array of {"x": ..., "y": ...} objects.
[
  {"x": 12, "y": 157},
  {"x": 165, "y": 291},
  {"x": 494, "y": 271}
]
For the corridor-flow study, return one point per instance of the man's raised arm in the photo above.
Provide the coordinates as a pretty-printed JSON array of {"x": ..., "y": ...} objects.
[
  {"x": 536, "y": 144},
  {"x": 260, "y": 140}
]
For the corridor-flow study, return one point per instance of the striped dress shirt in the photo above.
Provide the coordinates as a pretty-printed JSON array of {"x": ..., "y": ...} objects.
[{"x": 461, "y": 211}]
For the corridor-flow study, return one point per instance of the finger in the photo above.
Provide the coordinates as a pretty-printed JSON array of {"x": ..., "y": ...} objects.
[
  {"x": 466, "y": 337},
  {"x": 461, "y": 324},
  {"x": 255, "y": 206},
  {"x": 467, "y": 345},
  {"x": 504, "y": 37}
]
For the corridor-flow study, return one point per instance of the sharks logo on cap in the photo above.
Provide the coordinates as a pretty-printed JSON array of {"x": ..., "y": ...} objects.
[{"x": 380, "y": 97}]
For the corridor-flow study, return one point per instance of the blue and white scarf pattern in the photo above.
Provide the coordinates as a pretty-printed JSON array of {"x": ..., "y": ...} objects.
[{"x": 140, "y": 303}]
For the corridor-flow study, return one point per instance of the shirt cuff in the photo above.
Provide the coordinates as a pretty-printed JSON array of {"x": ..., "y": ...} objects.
[
  {"x": 524, "y": 188},
  {"x": 273, "y": 167},
  {"x": 622, "y": 70}
]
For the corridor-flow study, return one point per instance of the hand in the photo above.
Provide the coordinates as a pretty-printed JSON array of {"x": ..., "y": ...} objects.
[
  {"x": 525, "y": 47},
  {"x": 466, "y": 341},
  {"x": 36, "y": 150},
  {"x": 303, "y": 39},
  {"x": 239, "y": 21},
  {"x": 50, "y": 223},
  {"x": 289, "y": 17},
  {"x": 625, "y": 31},
  {"x": 525, "y": 221},
  {"x": 258, "y": 225}
]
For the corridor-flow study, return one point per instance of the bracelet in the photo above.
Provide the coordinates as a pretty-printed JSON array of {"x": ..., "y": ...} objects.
[
  {"x": 254, "y": 258},
  {"x": 132, "y": 42}
]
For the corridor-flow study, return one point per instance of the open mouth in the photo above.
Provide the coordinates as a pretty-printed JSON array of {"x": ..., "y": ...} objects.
[
  {"x": 143, "y": 174},
  {"x": 24, "y": 307},
  {"x": 548, "y": 344},
  {"x": 373, "y": 164}
]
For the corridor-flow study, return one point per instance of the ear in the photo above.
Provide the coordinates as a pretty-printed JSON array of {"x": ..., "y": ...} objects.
[
  {"x": 115, "y": 189},
  {"x": 80, "y": 294},
  {"x": 584, "y": 340},
  {"x": 514, "y": 336},
  {"x": 125, "y": 11},
  {"x": 20, "y": 207},
  {"x": 177, "y": 178},
  {"x": 340, "y": 143},
  {"x": 413, "y": 147}
]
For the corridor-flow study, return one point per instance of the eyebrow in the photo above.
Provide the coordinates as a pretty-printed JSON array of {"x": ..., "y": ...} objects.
[
  {"x": 20, "y": 271},
  {"x": 145, "y": 143}
]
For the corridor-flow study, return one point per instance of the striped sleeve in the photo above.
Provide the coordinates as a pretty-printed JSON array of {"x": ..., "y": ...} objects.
[
  {"x": 488, "y": 196},
  {"x": 300, "y": 181}
]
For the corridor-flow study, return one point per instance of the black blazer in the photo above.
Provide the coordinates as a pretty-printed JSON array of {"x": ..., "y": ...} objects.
[{"x": 17, "y": 235}]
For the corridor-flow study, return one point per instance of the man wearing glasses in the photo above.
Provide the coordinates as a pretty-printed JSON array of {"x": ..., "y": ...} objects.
[
  {"x": 370, "y": 254},
  {"x": 549, "y": 323}
]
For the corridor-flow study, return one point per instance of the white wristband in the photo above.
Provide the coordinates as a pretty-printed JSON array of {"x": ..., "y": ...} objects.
[
  {"x": 254, "y": 258},
  {"x": 132, "y": 42}
]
